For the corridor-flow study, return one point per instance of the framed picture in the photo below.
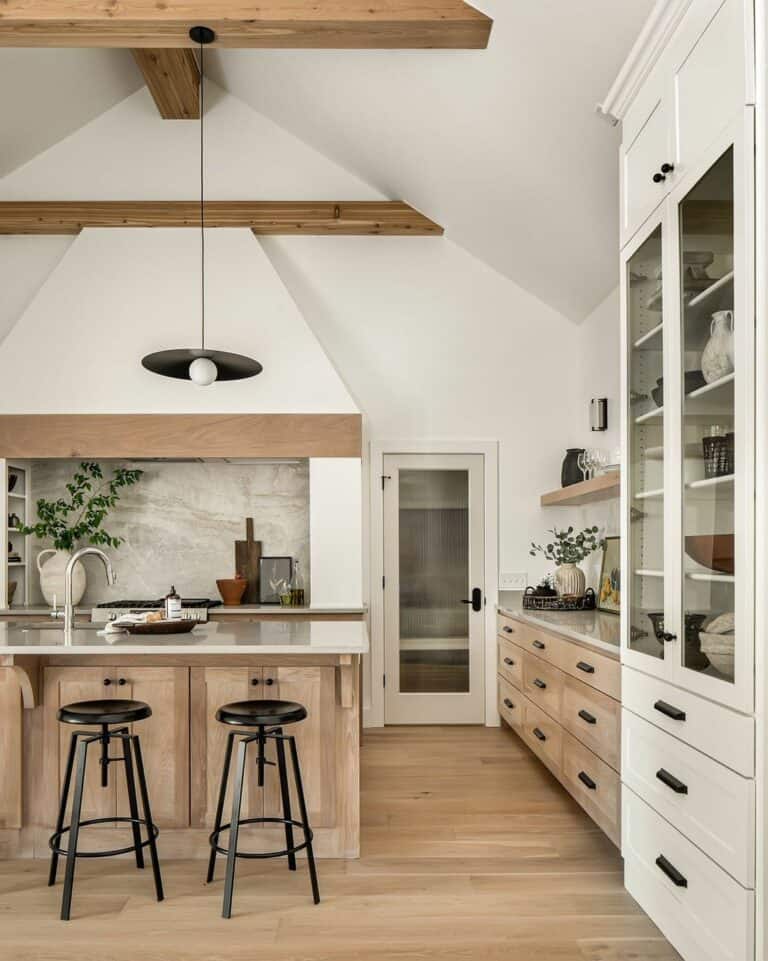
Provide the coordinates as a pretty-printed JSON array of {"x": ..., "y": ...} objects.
[
  {"x": 609, "y": 592},
  {"x": 274, "y": 577}
]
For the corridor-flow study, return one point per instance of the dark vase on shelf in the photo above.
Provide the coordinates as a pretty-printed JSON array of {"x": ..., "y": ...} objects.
[{"x": 571, "y": 472}]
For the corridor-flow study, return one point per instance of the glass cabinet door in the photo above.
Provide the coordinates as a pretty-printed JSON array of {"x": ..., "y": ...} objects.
[
  {"x": 644, "y": 555},
  {"x": 715, "y": 435}
]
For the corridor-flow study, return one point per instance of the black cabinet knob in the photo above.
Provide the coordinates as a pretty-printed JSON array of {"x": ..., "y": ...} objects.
[
  {"x": 666, "y": 636},
  {"x": 658, "y": 178},
  {"x": 269, "y": 681},
  {"x": 667, "y": 168},
  {"x": 255, "y": 681},
  {"x": 121, "y": 681},
  {"x": 107, "y": 682}
]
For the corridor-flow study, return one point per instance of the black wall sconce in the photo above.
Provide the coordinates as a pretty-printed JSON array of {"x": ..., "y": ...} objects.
[{"x": 598, "y": 413}]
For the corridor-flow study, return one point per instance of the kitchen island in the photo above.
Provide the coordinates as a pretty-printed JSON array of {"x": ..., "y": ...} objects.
[{"x": 184, "y": 678}]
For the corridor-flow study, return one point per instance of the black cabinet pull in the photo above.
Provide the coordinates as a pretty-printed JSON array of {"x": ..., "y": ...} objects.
[
  {"x": 667, "y": 168},
  {"x": 508, "y": 703},
  {"x": 539, "y": 683},
  {"x": 107, "y": 682},
  {"x": 678, "y": 879},
  {"x": 586, "y": 716},
  {"x": 671, "y": 781},
  {"x": 508, "y": 630},
  {"x": 508, "y": 660},
  {"x": 587, "y": 668},
  {"x": 539, "y": 645},
  {"x": 122, "y": 681},
  {"x": 669, "y": 710},
  {"x": 539, "y": 734},
  {"x": 269, "y": 681},
  {"x": 587, "y": 780},
  {"x": 255, "y": 681},
  {"x": 667, "y": 637}
]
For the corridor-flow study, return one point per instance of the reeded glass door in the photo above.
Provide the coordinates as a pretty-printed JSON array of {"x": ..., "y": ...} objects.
[
  {"x": 646, "y": 337},
  {"x": 434, "y": 604},
  {"x": 717, "y": 432}
]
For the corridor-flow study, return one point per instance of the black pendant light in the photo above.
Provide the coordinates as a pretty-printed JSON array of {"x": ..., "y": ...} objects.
[{"x": 201, "y": 365}]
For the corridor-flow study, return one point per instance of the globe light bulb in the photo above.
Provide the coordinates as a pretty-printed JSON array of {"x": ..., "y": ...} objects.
[{"x": 203, "y": 371}]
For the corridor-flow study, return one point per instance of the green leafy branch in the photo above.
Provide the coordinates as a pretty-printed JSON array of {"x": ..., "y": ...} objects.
[
  {"x": 91, "y": 498},
  {"x": 569, "y": 547}
]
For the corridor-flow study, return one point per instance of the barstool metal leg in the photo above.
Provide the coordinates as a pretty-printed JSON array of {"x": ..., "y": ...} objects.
[
  {"x": 63, "y": 806},
  {"x": 148, "y": 817},
  {"x": 262, "y": 746},
  {"x": 234, "y": 828},
  {"x": 133, "y": 804},
  {"x": 304, "y": 820},
  {"x": 286, "y": 796},
  {"x": 220, "y": 804},
  {"x": 74, "y": 830}
]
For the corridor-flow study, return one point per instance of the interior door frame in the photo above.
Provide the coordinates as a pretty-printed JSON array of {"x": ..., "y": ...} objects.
[{"x": 373, "y": 712}]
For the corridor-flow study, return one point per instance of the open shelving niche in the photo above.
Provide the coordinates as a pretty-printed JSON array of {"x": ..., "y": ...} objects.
[{"x": 15, "y": 548}]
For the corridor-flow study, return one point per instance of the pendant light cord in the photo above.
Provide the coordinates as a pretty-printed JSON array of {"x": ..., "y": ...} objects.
[{"x": 202, "y": 204}]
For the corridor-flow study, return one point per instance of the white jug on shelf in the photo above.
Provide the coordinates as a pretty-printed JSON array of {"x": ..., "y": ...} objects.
[
  {"x": 717, "y": 358},
  {"x": 52, "y": 576}
]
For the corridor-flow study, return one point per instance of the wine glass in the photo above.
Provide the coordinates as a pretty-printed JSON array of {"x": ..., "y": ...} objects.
[{"x": 581, "y": 462}]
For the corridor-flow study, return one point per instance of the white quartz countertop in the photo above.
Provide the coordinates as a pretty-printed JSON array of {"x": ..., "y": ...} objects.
[
  {"x": 272, "y": 609},
  {"x": 262, "y": 637},
  {"x": 590, "y": 627}
]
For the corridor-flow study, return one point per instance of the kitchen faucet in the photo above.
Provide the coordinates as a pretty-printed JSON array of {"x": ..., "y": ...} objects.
[{"x": 69, "y": 613}]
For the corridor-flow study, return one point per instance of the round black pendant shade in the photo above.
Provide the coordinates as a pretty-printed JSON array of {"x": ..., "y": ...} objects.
[{"x": 175, "y": 363}]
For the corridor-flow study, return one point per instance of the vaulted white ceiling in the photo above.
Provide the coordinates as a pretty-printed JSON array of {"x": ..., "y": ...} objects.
[{"x": 501, "y": 146}]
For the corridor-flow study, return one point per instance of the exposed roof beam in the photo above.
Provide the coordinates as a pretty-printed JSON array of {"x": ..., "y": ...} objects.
[
  {"x": 346, "y": 218},
  {"x": 173, "y": 79},
  {"x": 244, "y": 23}
]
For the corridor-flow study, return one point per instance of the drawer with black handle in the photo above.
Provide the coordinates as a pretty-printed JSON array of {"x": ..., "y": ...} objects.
[
  {"x": 510, "y": 703},
  {"x": 594, "y": 718},
  {"x": 595, "y": 785},
  {"x": 510, "y": 662},
  {"x": 543, "y": 735}
]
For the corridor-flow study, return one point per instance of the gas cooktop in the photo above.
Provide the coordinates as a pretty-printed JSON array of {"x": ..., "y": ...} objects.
[{"x": 205, "y": 602}]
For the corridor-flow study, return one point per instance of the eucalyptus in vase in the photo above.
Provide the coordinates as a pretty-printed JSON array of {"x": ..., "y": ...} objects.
[{"x": 567, "y": 549}]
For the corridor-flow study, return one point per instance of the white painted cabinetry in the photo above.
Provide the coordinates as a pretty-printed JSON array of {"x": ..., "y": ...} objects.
[{"x": 688, "y": 770}]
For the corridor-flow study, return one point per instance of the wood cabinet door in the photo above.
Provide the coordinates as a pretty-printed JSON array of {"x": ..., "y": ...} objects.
[
  {"x": 212, "y": 687},
  {"x": 10, "y": 749},
  {"x": 164, "y": 740},
  {"x": 67, "y": 685},
  {"x": 315, "y": 688}
]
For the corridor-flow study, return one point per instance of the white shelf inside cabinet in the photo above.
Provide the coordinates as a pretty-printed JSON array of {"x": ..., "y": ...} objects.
[
  {"x": 645, "y": 572},
  {"x": 718, "y": 296},
  {"x": 710, "y": 576},
  {"x": 18, "y": 497},
  {"x": 709, "y": 482},
  {"x": 657, "y": 413},
  {"x": 648, "y": 337},
  {"x": 17, "y": 563},
  {"x": 716, "y": 385},
  {"x": 649, "y": 495}
]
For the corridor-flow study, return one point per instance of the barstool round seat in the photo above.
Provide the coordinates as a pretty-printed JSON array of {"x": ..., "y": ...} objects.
[
  {"x": 108, "y": 711},
  {"x": 261, "y": 713}
]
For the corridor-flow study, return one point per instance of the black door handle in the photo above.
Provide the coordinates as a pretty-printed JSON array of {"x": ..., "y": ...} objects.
[
  {"x": 669, "y": 710},
  {"x": 476, "y": 600},
  {"x": 587, "y": 780},
  {"x": 671, "y": 872},
  {"x": 586, "y": 716},
  {"x": 671, "y": 781}
]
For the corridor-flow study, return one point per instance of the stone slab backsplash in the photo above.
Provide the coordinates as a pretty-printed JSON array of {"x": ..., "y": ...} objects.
[{"x": 180, "y": 523}]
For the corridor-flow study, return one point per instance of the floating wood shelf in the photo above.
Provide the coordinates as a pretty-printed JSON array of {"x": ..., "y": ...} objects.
[
  {"x": 343, "y": 218},
  {"x": 585, "y": 492}
]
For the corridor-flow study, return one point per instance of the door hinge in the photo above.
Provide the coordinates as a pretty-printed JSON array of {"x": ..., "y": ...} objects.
[{"x": 384, "y": 479}]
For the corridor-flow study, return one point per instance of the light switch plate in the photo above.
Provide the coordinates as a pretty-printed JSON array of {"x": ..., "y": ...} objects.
[{"x": 513, "y": 581}]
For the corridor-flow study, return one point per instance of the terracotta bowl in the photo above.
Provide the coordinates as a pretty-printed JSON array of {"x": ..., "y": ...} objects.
[
  {"x": 232, "y": 590},
  {"x": 714, "y": 551}
]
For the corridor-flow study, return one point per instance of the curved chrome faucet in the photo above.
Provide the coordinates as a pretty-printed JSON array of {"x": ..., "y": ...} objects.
[{"x": 69, "y": 613}]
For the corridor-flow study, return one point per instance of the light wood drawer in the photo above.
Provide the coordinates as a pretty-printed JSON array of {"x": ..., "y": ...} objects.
[
  {"x": 510, "y": 704},
  {"x": 530, "y": 638},
  {"x": 595, "y": 785},
  {"x": 543, "y": 684},
  {"x": 510, "y": 663},
  {"x": 720, "y": 733},
  {"x": 543, "y": 735},
  {"x": 711, "y": 805},
  {"x": 597, "y": 670},
  {"x": 594, "y": 718},
  {"x": 705, "y": 914}
]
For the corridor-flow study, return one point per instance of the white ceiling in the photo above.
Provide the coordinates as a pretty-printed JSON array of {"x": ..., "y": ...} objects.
[{"x": 502, "y": 146}]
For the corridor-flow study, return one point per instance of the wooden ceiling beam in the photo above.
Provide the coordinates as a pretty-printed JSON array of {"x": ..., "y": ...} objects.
[
  {"x": 263, "y": 217},
  {"x": 335, "y": 24},
  {"x": 173, "y": 78}
]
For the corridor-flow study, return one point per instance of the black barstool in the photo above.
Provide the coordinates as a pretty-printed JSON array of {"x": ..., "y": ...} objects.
[
  {"x": 103, "y": 713},
  {"x": 268, "y": 717}
]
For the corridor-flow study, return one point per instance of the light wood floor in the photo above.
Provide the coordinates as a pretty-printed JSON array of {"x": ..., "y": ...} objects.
[{"x": 471, "y": 852}]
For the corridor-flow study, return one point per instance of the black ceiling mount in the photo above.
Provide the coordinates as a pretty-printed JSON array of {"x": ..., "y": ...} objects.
[{"x": 201, "y": 35}]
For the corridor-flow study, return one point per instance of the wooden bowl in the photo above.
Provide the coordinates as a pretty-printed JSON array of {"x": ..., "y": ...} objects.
[
  {"x": 714, "y": 551},
  {"x": 162, "y": 627},
  {"x": 232, "y": 590}
]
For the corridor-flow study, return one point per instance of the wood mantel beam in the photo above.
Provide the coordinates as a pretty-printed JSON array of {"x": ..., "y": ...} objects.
[
  {"x": 406, "y": 24},
  {"x": 173, "y": 79},
  {"x": 263, "y": 217}
]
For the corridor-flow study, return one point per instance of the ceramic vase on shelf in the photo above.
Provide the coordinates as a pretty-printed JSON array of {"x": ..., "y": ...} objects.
[
  {"x": 717, "y": 359},
  {"x": 52, "y": 576},
  {"x": 570, "y": 580},
  {"x": 571, "y": 472}
]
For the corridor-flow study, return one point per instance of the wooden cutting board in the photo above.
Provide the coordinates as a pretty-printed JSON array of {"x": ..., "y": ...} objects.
[{"x": 247, "y": 558}]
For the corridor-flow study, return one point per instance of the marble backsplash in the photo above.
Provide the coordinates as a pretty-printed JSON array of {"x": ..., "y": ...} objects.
[{"x": 180, "y": 523}]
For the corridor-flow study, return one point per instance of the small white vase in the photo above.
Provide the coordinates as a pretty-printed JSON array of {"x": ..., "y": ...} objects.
[
  {"x": 570, "y": 580},
  {"x": 717, "y": 358},
  {"x": 52, "y": 577}
]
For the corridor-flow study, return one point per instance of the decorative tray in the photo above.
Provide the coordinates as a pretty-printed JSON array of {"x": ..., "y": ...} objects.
[
  {"x": 162, "y": 627},
  {"x": 554, "y": 602}
]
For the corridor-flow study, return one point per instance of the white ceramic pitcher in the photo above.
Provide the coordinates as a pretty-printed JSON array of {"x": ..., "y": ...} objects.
[
  {"x": 52, "y": 576},
  {"x": 717, "y": 359}
]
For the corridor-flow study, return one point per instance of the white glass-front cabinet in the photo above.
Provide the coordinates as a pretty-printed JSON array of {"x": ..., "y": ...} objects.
[{"x": 687, "y": 301}]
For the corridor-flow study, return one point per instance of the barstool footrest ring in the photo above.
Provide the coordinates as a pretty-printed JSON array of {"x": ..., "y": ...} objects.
[
  {"x": 214, "y": 839},
  {"x": 55, "y": 838}
]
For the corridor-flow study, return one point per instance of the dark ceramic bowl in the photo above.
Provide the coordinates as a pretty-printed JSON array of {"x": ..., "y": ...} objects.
[{"x": 693, "y": 380}]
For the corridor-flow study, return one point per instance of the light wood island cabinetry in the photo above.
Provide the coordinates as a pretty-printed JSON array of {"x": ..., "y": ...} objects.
[{"x": 562, "y": 697}]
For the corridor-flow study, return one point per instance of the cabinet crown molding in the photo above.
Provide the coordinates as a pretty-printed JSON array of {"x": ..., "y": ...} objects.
[{"x": 661, "y": 24}]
